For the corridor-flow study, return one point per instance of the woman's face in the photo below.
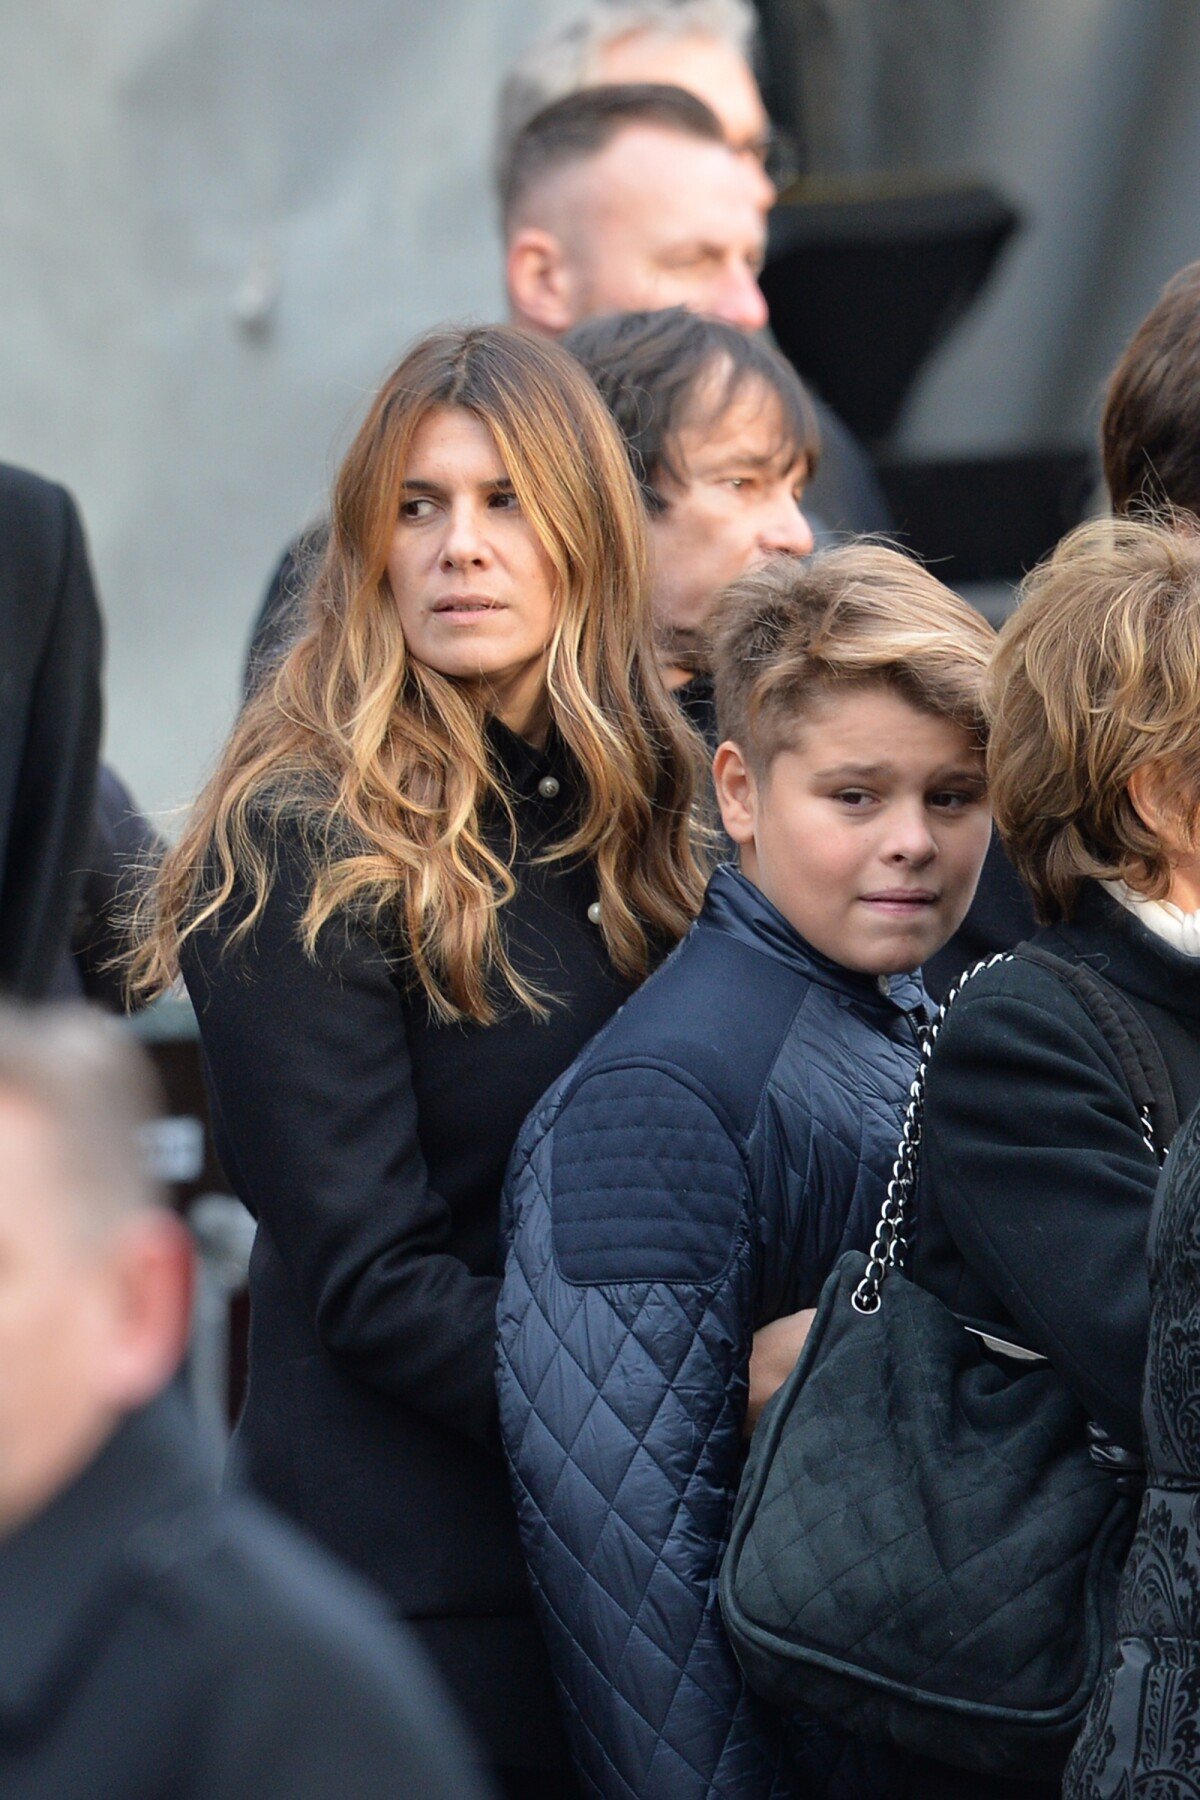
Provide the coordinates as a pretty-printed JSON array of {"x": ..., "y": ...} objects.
[{"x": 473, "y": 585}]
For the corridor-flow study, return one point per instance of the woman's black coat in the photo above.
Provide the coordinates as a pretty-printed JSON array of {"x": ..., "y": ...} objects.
[
  {"x": 370, "y": 1142},
  {"x": 1036, "y": 1184}
]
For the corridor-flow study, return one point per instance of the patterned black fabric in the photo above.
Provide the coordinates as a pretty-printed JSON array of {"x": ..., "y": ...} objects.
[{"x": 1142, "y": 1734}]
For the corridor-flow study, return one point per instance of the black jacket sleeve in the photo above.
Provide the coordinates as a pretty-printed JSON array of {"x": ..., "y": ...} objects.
[
  {"x": 316, "y": 1119},
  {"x": 1035, "y": 1164},
  {"x": 281, "y": 608},
  {"x": 50, "y": 636}
]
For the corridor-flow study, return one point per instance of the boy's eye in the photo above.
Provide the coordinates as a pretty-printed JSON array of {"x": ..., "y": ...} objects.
[
  {"x": 855, "y": 798},
  {"x": 953, "y": 800}
]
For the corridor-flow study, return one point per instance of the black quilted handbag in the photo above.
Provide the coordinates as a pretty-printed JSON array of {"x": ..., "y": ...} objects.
[{"x": 928, "y": 1537}]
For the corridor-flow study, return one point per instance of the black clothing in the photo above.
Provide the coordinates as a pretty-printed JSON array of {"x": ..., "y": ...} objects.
[
  {"x": 697, "y": 702},
  {"x": 280, "y": 609},
  {"x": 1036, "y": 1184},
  {"x": 49, "y": 725},
  {"x": 156, "y": 1640},
  {"x": 1139, "y": 1737},
  {"x": 1000, "y": 917},
  {"x": 124, "y": 851},
  {"x": 370, "y": 1141}
]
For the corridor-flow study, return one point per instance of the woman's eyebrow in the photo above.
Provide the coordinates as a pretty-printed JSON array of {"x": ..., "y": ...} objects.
[{"x": 417, "y": 484}]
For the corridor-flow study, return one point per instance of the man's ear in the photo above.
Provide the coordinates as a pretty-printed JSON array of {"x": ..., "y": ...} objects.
[
  {"x": 737, "y": 792},
  {"x": 540, "y": 289},
  {"x": 153, "y": 1269}
]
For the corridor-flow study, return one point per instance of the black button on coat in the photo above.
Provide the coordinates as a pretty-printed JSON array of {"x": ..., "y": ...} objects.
[
  {"x": 157, "y": 1640},
  {"x": 370, "y": 1142}
]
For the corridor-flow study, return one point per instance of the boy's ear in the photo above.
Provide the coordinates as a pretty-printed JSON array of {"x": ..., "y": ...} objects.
[
  {"x": 737, "y": 792},
  {"x": 1155, "y": 801}
]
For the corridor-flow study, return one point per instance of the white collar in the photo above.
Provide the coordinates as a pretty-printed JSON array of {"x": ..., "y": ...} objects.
[{"x": 1179, "y": 929}]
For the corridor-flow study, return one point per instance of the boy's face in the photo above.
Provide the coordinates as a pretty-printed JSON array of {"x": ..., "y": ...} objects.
[{"x": 868, "y": 834}]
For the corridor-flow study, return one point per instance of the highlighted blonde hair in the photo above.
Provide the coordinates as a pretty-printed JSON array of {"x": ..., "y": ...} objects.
[
  {"x": 383, "y": 763},
  {"x": 863, "y": 614},
  {"x": 1096, "y": 674}
]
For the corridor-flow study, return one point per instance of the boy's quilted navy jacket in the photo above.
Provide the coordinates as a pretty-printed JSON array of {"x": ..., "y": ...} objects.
[{"x": 692, "y": 1176}]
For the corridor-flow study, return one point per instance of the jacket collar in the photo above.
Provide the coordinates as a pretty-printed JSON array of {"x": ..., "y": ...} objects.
[
  {"x": 137, "y": 1507},
  {"x": 1106, "y": 935},
  {"x": 521, "y": 765},
  {"x": 734, "y": 905}
]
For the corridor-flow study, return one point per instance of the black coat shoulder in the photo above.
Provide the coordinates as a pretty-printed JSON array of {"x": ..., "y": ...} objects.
[
  {"x": 50, "y": 646},
  {"x": 1036, "y": 1181}
]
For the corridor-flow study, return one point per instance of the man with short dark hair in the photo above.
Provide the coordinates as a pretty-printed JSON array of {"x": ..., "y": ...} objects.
[
  {"x": 154, "y": 1638},
  {"x": 624, "y": 197},
  {"x": 723, "y": 439},
  {"x": 1150, "y": 430}
]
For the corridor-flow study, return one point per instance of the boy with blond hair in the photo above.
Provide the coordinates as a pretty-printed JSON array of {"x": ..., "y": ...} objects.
[{"x": 677, "y": 1199}]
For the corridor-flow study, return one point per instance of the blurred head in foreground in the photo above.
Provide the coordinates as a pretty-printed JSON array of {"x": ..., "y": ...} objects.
[{"x": 95, "y": 1273}]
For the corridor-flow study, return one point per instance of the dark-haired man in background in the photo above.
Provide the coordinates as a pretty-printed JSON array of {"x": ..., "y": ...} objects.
[
  {"x": 1150, "y": 429},
  {"x": 627, "y": 198},
  {"x": 723, "y": 440}
]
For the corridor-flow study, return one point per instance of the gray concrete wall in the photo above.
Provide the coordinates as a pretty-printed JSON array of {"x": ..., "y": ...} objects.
[{"x": 220, "y": 220}]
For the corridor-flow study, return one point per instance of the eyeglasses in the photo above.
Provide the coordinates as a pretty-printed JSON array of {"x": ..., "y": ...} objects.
[{"x": 777, "y": 153}]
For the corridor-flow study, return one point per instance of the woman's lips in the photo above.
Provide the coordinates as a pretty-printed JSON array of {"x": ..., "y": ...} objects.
[{"x": 464, "y": 605}]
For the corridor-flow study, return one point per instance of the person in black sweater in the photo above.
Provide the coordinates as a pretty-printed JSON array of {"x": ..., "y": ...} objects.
[
  {"x": 1036, "y": 1178},
  {"x": 446, "y": 840}
]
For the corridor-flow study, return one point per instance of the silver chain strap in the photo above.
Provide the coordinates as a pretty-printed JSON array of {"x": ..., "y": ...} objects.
[
  {"x": 888, "y": 1247},
  {"x": 889, "y": 1244}
]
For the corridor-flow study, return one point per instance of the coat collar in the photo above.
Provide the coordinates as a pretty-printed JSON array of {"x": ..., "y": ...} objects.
[
  {"x": 1117, "y": 945},
  {"x": 136, "y": 1508},
  {"x": 521, "y": 765},
  {"x": 734, "y": 905}
]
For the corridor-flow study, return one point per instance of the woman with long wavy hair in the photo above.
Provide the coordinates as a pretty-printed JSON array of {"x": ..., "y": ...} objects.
[{"x": 450, "y": 832}]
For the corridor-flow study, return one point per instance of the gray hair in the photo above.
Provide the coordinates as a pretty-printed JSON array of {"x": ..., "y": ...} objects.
[
  {"x": 96, "y": 1090},
  {"x": 566, "y": 58}
]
